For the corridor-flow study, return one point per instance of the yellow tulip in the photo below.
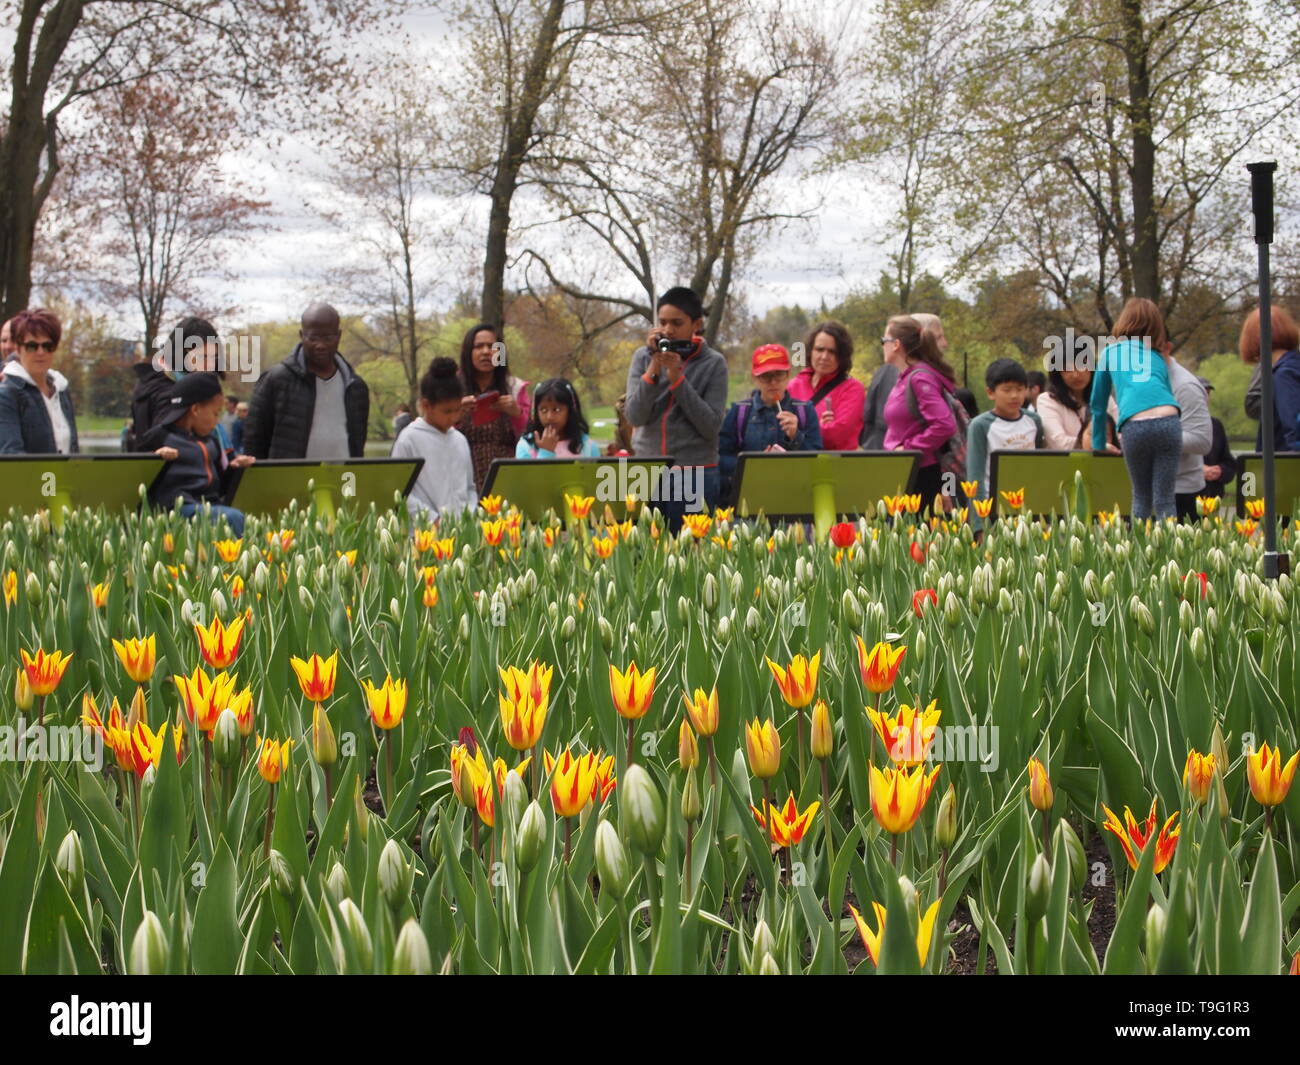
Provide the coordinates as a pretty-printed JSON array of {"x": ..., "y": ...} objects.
[
  {"x": 1269, "y": 779},
  {"x": 763, "y": 743},
  {"x": 798, "y": 683},
  {"x": 703, "y": 711},
  {"x": 387, "y": 704},
  {"x": 898, "y": 796},
  {"x": 138, "y": 658},
  {"x": 632, "y": 691},
  {"x": 1040, "y": 786}
]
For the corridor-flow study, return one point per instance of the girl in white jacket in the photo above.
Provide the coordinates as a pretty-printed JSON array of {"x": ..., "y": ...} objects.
[{"x": 446, "y": 481}]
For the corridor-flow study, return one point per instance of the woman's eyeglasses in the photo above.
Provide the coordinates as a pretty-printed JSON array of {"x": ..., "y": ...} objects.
[
  {"x": 887, "y": 340},
  {"x": 38, "y": 345}
]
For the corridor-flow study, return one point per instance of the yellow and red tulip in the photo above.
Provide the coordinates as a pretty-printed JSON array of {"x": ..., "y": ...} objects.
[
  {"x": 219, "y": 643},
  {"x": 699, "y": 524},
  {"x": 477, "y": 767},
  {"x": 908, "y": 736},
  {"x": 138, "y": 657},
  {"x": 205, "y": 697},
  {"x": 823, "y": 736},
  {"x": 786, "y": 826},
  {"x": 98, "y": 595},
  {"x": 983, "y": 507},
  {"x": 524, "y": 704},
  {"x": 703, "y": 711},
  {"x": 579, "y": 506},
  {"x": 632, "y": 691},
  {"x": 388, "y": 703},
  {"x": 879, "y": 666},
  {"x": 11, "y": 588},
  {"x": 229, "y": 549},
  {"x": 1198, "y": 774},
  {"x": 1206, "y": 505},
  {"x": 1269, "y": 779},
  {"x": 798, "y": 682},
  {"x": 872, "y": 940},
  {"x": 763, "y": 744},
  {"x": 1254, "y": 508},
  {"x": 273, "y": 759},
  {"x": 316, "y": 675},
  {"x": 1040, "y": 786},
  {"x": 45, "y": 671},
  {"x": 491, "y": 505},
  {"x": 1015, "y": 498},
  {"x": 572, "y": 783},
  {"x": 898, "y": 796},
  {"x": 603, "y": 546},
  {"x": 688, "y": 751},
  {"x": 970, "y": 489},
  {"x": 1133, "y": 836}
]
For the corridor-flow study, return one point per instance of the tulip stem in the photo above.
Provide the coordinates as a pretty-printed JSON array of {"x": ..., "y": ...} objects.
[
  {"x": 1268, "y": 819},
  {"x": 893, "y": 850},
  {"x": 802, "y": 757},
  {"x": 690, "y": 839},
  {"x": 41, "y": 711},
  {"x": 648, "y": 864},
  {"x": 767, "y": 810},
  {"x": 270, "y": 820},
  {"x": 568, "y": 838},
  {"x": 713, "y": 766},
  {"x": 1047, "y": 846},
  {"x": 826, "y": 813},
  {"x": 943, "y": 872},
  {"x": 473, "y": 834},
  {"x": 388, "y": 774},
  {"x": 631, "y": 733}
]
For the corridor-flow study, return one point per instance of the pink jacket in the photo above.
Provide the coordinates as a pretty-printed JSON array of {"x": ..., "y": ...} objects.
[
  {"x": 936, "y": 425},
  {"x": 847, "y": 402}
]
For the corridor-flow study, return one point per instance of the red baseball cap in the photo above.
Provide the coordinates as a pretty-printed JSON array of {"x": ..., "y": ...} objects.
[{"x": 769, "y": 357}]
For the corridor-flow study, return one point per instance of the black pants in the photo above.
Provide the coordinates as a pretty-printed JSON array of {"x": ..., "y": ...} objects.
[
  {"x": 929, "y": 479},
  {"x": 1185, "y": 505}
]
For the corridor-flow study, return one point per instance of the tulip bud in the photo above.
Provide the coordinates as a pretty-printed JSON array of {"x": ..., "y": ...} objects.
[
  {"x": 1155, "y": 935},
  {"x": 952, "y": 610},
  {"x": 35, "y": 593},
  {"x": 643, "y": 808},
  {"x": 874, "y": 554},
  {"x": 282, "y": 877},
  {"x": 606, "y": 633},
  {"x": 1077, "y": 858},
  {"x": 411, "y": 954},
  {"x": 569, "y": 627},
  {"x": 70, "y": 863},
  {"x": 768, "y": 966},
  {"x": 1186, "y": 617},
  {"x": 260, "y": 576},
  {"x": 1212, "y": 621},
  {"x": 710, "y": 592},
  {"x": 1092, "y": 586},
  {"x": 920, "y": 645},
  {"x": 324, "y": 747},
  {"x": 226, "y": 739},
  {"x": 146, "y": 784},
  {"x": 1023, "y": 657},
  {"x": 688, "y": 751},
  {"x": 354, "y": 927},
  {"x": 396, "y": 875},
  {"x": 336, "y": 883},
  {"x": 823, "y": 736},
  {"x": 691, "y": 806},
  {"x": 737, "y": 582},
  {"x": 945, "y": 822},
  {"x": 1200, "y": 648},
  {"x": 514, "y": 797},
  {"x": 148, "y": 947},
  {"x": 1040, "y": 887},
  {"x": 1006, "y": 605},
  {"x": 763, "y": 944},
  {"x": 24, "y": 697},
  {"x": 462, "y": 629},
  {"x": 532, "y": 834},
  {"x": 753, "y": 621},
  {"x": 850, "y": 609}
]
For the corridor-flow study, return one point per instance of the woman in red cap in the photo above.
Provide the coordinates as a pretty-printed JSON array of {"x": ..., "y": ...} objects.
[
  {"x": 840, "y": 400},
  {"x": 770, "y": 420}
]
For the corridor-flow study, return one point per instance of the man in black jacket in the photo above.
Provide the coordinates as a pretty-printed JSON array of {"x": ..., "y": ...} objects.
[
  {"x": 313, "y": 405},
  {"x": 1220, "y": 464}
]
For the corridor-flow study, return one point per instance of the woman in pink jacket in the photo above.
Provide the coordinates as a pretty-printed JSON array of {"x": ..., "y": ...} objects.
[
  {"x": 839, "y": 399},
  {"x": 924, "y": 381}
]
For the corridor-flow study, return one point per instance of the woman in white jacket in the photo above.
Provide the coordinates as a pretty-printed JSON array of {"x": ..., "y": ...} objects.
[
  {"x": 1063, "y": 409},
  {"x": 446, "y": 481}
]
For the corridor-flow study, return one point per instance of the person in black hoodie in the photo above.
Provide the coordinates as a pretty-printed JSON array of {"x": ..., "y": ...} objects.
[
  {"x": 313, "y": 405},
  {"x": 1220, "y": 464},
  {"x": 196, "y": 470},
  {"x": 191, "y": 346}
]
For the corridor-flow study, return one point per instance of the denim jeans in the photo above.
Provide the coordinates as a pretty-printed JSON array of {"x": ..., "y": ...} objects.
[
  {"x": 233, "y": 516},
  {"x": 1152, "y": 449}
]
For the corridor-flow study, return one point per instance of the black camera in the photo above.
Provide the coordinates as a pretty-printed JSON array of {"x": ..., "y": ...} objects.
[{"x": 680, "y": 347}]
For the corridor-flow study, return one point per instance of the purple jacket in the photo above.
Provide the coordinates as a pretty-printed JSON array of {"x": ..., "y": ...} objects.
[{"x": 936, "y": 425}]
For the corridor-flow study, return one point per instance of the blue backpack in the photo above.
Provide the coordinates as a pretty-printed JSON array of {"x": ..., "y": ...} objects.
[{"x": 742, "y": 416}]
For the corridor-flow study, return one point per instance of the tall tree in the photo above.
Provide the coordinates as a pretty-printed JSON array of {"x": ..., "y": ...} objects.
[{"x": 276, "y": 54}]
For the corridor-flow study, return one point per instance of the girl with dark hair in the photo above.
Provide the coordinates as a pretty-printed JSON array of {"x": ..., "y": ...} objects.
[
  {"x": 446, "y": 481},
  {"x": 918, "y": 415},
  {"x": 495, "y": 407},
  {"x": 840, "y": 400},
  {"x": 36, "y": 416},
  {"x": 191, "y": 346},
  {"x": 558, "y": 428}
]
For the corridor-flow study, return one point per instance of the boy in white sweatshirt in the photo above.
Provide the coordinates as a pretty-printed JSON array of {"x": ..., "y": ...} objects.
[{"x": 446, "y": 481}]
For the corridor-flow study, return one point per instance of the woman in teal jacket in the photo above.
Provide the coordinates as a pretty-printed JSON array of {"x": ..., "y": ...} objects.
[{"x": 1149, "y": 425}]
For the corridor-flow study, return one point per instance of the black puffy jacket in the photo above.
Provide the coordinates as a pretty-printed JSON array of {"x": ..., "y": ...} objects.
[
  {"x": 149, "y": 402},
  {"x": 198, "y": 473},
  {"x": 280, "y": 412}
]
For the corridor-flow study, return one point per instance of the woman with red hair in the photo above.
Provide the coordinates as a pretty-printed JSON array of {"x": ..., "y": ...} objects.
[
  {"x": 1286, "y": 377},
  {"x": 36, "y": 416}
]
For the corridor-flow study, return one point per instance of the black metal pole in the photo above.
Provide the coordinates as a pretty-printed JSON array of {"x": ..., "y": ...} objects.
[{"x": 1261, "y": 205}]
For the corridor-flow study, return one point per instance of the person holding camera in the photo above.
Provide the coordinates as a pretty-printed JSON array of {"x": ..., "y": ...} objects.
[{"x": 676, "y": 399}]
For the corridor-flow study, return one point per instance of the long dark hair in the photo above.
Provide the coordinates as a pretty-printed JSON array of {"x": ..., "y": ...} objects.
[
  {"x": 1062, "y": 393},
  {"x": 467, "y": 372},
  {"x": 918, "y": 345},
  {"x": 560, "y": 390}
]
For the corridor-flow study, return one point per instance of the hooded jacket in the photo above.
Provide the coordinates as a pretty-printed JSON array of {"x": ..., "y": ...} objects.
[
  {"x": 149, "y": 401},
  {"x": 198, "y": 474},
  {"x": 680, "y": 420},
  {"x": 280, "y": 413},
  {"x": 446, "y": 480},
  {"x": 25, "y": 426},
  {"x": 935, "y": 426}
]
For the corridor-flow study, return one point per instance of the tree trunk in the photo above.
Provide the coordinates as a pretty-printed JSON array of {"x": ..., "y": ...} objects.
[
  {"x": 492, "y": 305},
  {"x": 1146, "y": 267}
]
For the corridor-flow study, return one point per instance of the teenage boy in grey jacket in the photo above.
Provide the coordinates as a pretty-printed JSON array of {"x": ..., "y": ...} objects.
[{"x": 676, "y": 400}]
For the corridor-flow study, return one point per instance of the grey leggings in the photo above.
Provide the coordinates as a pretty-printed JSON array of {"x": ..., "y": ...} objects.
[{"x": 1152, "y": 448}]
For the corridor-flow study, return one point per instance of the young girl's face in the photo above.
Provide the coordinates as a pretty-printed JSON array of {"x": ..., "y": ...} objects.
[
  {"x": 441, "y": 415},
  {"x": 553, "y": 413}
]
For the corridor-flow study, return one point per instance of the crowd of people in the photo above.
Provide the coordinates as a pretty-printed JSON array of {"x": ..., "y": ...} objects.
[{"x": 1134, "y": 399}]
